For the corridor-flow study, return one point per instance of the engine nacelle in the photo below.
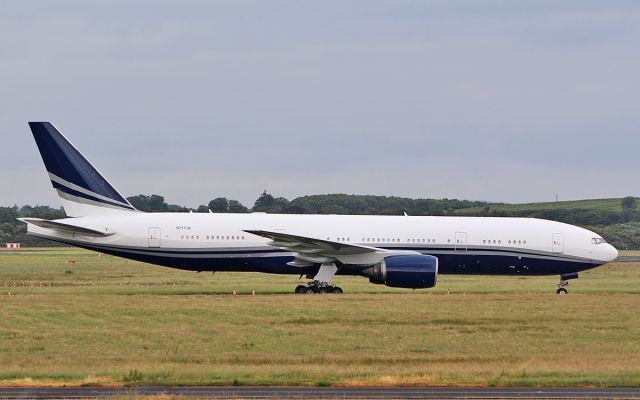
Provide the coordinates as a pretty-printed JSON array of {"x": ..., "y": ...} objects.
[{"x": 413, "y": 271}]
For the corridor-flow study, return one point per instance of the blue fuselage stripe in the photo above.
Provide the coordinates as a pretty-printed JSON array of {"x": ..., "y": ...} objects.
[
  {"x": 76, "y": 193},
  {"x": 449, "y": 263}
]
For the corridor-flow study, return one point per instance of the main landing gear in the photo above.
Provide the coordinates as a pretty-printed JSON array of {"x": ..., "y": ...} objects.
[
  {"x": 563, "y": 282},
  {"x": 320, "y": 283},
  {"x": 318, "y": 287}
]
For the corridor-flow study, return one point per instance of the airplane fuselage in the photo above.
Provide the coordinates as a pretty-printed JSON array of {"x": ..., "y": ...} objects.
[
  {"x": 463, "y": 245},
  {"x": 398, "y": 251}
]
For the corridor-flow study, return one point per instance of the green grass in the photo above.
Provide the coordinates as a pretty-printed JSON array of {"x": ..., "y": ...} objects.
[
  {"x": 113, "y": 321},
  {"x": 592, "y": 204}
]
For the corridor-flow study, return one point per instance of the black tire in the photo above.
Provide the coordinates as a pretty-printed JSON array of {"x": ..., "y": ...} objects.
[
  {"x": 561, "y": 291},
  {"x": 308, "y": 290},
  {"x": 337, "y": 290},
  {"x": 323, "y": 291},
  {"x": 299, "y": 289}
]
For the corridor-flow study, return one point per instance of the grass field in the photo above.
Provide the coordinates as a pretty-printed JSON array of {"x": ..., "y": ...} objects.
[{"x": 106, "y": 320}]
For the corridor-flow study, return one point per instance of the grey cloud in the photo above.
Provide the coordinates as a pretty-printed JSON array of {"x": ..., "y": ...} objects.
[{"x": 441, "y": 99}]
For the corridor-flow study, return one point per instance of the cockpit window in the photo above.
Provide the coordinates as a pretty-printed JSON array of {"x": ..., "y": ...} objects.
[{"x": 598, "y": 240}]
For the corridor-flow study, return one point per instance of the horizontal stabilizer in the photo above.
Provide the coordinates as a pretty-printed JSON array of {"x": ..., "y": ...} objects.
[{"x": 65, "y": 226}]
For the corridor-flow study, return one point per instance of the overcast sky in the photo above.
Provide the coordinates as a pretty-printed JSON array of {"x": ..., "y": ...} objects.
[{"x": 491, "y": 100}]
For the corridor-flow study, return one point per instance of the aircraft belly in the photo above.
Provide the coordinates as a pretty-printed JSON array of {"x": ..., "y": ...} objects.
[{"x": 474, "y": 264}]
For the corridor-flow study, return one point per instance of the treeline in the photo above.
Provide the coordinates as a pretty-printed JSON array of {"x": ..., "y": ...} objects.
[
  {"x": 318, "y": 204},
  {"x": 12, "y": 230},
  {"x": 574, "y": 216},
  {"x": 620, "y": 227}
]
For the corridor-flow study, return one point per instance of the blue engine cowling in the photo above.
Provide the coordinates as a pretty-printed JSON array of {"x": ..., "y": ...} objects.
[{"x": 413, "y": 271}]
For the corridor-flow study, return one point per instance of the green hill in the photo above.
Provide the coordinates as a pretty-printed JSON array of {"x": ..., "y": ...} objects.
[{"x": 614, "y": 204}]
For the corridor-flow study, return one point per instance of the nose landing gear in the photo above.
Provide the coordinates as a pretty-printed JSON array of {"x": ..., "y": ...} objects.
[
  {"x": 561, "y": 289},
  {"x": 563, "y": 282}
]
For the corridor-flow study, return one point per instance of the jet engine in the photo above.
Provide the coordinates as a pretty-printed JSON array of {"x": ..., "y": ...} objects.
[{"x": 413, "y": 271}]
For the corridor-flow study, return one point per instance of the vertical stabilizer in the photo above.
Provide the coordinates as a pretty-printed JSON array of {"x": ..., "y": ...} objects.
[{"x": 82, "y": 190}]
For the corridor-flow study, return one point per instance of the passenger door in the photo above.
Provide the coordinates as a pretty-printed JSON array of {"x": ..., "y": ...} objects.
[
  {"x": 154, "y": 237},
  {"x": 557, "y": 243},
  {"x": 461, "y": 241}
]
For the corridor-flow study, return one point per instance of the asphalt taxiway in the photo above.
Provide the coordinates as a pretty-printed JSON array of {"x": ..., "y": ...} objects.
[{"x": 280, "y": 392}]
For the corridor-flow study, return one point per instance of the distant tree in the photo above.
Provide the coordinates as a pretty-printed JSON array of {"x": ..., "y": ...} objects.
[
  {"x": 219, "y": 205},
  {"x": 263, "y": 202},
  {"x": 236, "y": 207},
  {"x": 202, "y": 209},
  {"x": 267, "y": 203},
  {"x": 44, "y": 212},
  {"x": 281, "y": 203},
  {"x": 628, "y": 203},
  {"x": 153, "y": 203},
  {"x": 8, "y": 214},
  {"x": 176, "y": 208}
]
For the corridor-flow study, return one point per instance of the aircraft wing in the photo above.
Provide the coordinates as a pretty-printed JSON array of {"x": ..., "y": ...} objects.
[
  {"x": 309, "y": 250},
  {"x": 65, "y": 226}
]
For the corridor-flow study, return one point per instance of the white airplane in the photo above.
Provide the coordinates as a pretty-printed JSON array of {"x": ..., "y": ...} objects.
[{"x": 397, "y": 251}]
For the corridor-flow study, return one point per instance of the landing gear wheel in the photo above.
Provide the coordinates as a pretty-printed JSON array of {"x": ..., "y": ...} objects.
[
  {"x": 564, "y": 282},
  {"x": 318, "y": 287}
]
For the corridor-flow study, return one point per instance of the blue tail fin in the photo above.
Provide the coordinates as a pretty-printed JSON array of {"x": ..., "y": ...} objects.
[{"x": 83, "y": 191}]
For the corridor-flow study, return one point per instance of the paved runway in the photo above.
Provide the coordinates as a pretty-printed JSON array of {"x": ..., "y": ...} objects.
[{"x": 322, "y": 393}]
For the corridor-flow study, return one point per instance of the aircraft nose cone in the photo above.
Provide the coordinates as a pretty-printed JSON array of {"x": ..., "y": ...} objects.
[{"x": 612, "y": 253}]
